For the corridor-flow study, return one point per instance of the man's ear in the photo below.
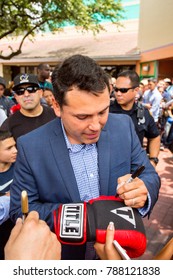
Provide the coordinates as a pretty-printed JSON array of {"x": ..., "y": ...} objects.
[
  {"x": 16, "y": 97},
  {"x": 56, "y": 108},
  {"x": 136, "y": 89},
  {"x": 41, "y": 92}
]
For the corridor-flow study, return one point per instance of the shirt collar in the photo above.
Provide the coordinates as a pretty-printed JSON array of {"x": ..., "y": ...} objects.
[
  {"x": 119, "y": 109},
  {"x": 75, "y": 147}
]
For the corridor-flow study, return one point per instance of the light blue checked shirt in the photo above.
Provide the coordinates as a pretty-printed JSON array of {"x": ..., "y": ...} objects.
[
  {"x": 85, "y": 169},
  {"x": 87, "y": 177}
]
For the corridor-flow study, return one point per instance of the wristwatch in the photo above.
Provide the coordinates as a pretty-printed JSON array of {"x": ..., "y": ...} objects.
[{"x": 154, "y": 159}]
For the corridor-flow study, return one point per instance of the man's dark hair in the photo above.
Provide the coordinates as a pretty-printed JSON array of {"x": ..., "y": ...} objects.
[
  {"x": 141, "y": 83},
  {"x": 49, "y": 89},
  {"x": 80, "y": 71},
  {"x": 152, "y": 80},
  {"x": 4, "y": 134},
  {"x": 41, "y": 66},
  {"x": 132, "y": 75}
]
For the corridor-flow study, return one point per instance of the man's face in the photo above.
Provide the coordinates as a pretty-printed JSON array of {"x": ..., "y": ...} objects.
[
  {"x": 8, "y": 151},
  {"x": 151, "y": 85},
  {"x": 1, "y": 90},
  {"x": 45, "y": 72},
  {"x": 28, "y": 101},
  {"x": 85, "y": 115},
  {"x": 129, "y": 96}
]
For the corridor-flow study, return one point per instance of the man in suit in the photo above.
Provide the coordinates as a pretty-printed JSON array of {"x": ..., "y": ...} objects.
[{"x": 82, "y": 154}]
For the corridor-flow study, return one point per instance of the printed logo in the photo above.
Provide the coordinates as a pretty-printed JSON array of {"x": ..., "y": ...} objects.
[
  {"x": 24, "y": 78},
  {"x": 125, "y": 213},
  {"x": 5, "y": 185}
]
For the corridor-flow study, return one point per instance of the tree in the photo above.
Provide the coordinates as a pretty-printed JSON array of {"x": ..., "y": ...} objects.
[{"x": 25, "y": 18}]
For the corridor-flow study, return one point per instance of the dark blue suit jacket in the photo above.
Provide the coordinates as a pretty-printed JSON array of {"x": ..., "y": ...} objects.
[{"x": 44, "y": 170}]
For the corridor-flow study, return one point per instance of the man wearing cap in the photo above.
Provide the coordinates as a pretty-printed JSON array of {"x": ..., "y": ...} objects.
[
  {"x": 31, "y": 114},
  {"x": 5, "y": 102},
  {"x": 168, "y": 90}
]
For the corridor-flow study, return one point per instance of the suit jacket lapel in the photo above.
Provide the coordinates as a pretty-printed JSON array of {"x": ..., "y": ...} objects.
[
  {"x": 63, "y": 162},
  {"x": 104, "y": 160}
]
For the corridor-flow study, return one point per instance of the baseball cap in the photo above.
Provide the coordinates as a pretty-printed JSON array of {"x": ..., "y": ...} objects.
[
  {"x": 144, "y": 82},
  {"x": 167, "y": 80},
  {"x": 22, "y": 79},
  {"x": 2, "y": 82}
]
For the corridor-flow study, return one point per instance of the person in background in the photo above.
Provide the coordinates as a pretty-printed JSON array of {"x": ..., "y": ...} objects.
[
  {"x": 8, "y": 154},
  {"x": 43, "y": 74},
  {"x": 144, "y": 82},
  {"x": 32, "y": 114},
  {"x": 112, "y": 82},
  {"x": 3, "y": 116},
  {"x": 32, "y": 240},
  {"x": 48, "y": 96},
  {"x": 5, "y": 102},
  {"x": 168, "y": 89},
  {"x": 152, "y": 99},
  {"x": 160, "y": 87},
  {"x": 127, "y": 86},
  {"x": 83, "y": 154}
]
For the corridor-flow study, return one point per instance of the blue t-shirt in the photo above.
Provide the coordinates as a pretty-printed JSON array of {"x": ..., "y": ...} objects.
[{"x": 6, "y": 178}]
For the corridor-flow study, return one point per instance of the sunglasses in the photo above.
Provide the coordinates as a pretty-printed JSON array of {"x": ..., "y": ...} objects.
[
  {"x": 123, "y": 90},
  {"x": 30, "y": 89}
]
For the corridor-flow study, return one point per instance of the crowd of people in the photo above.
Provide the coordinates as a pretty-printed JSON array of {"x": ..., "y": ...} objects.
[{"x": 79, "y": 134}]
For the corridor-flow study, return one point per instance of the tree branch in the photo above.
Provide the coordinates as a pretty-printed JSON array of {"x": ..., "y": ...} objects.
[{"x": 18, "y": 51}]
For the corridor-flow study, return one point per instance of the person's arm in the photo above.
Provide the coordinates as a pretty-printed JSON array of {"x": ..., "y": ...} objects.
[
  {"x": 166, "y": 253},
  {"x": 167, "y": 104},
  {"x": 154, "y": 148},
  {"x": 5, "y": 124},
  {"x": 4, "y": 208},
  {"x": 140, "y": 193},
  {"x": 147, "y": 105},
  {"x": 3, "y": 116},
  {"x": 23, "y": 179},
  {"x": 32, "y": 240}
]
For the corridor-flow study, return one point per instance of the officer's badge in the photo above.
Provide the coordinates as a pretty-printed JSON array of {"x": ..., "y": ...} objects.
[{"x": 141, "y": 121}]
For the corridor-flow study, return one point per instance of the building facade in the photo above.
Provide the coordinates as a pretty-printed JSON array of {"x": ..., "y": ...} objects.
[
  {"x": 144, "y": 42},
  {"x": 155, "y": 39}
]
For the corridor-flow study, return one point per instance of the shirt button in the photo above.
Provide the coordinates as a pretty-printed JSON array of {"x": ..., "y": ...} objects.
[{"x": 91, "y": 175}]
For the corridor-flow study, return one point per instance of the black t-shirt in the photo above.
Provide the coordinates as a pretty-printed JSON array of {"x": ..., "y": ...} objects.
[
  {"x": 18, "y": 124},
  {"x": 145, "y": 127}
]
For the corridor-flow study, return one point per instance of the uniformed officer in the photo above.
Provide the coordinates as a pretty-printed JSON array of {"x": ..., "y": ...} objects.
[{"x": 127, "y": 86}]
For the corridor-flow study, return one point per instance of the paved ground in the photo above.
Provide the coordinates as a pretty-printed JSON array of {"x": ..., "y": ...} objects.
[{"x": 159, "y": 227}]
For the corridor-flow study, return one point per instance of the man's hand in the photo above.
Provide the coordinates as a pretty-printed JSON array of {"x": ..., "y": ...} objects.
[{"x": 134, "y": 194}]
